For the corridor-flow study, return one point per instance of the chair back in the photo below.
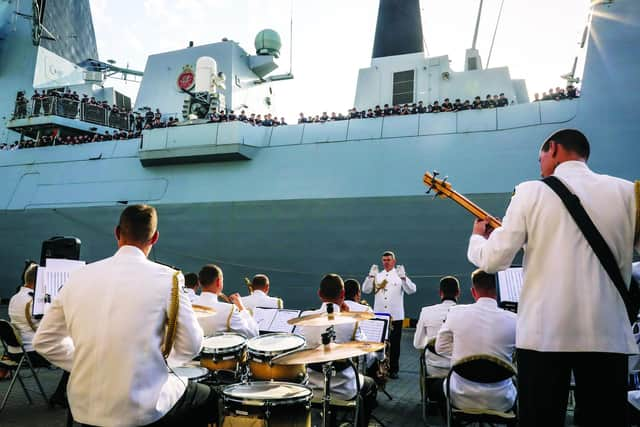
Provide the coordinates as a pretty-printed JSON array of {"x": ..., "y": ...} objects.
[
  {"x": 484, "y": 368},
  {"x": 9, "y": 335}
]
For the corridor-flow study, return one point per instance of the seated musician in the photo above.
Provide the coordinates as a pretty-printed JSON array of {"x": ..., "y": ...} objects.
[
  {"x": 343, "y": 382},
  {"x": 229, "y": 317},
  {"x": 260, "y": 294},
  {"x": 480, "y": 328},
  {"x": 429, "y": 323},
  {"x": 20, "y": 315},
  {"x": 352, "y": 296},
  {"x": 191, "y": 284}
]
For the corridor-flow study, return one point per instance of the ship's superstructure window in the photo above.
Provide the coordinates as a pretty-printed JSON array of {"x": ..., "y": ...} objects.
[{"x": 403, "y": 87}]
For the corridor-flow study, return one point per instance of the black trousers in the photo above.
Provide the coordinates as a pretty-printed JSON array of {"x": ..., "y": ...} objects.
[
  {"x": 394, "y": 340},
  {"x": 369, "y": 393},
  {"x": 198, "y": 406},
  {"x": 543, "y": 387}
]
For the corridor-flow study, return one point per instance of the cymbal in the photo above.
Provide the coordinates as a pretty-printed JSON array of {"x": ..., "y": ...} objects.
[
  {"x": 326, "y": 319},
  {"x": 327, "y": 353},
  {"x": 203, "y": 311}
]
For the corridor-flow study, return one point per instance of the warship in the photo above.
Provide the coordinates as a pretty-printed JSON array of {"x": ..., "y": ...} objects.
[{"x": 298, "y": 201}]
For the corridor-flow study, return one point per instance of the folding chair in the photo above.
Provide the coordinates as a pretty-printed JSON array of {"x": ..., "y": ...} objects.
[
  {"x": 481, "y": 368},
  {"x": 9, "y": 336}
]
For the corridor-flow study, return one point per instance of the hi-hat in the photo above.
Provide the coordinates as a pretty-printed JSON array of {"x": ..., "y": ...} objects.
[
  {"x": 326, "y": 319},
  {"x": 328, "y": 353}
]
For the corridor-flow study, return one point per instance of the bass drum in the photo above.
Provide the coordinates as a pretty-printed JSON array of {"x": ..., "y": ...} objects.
[
  {"x": 262, "y": 404},
  {"x": 262, "y": 349}
]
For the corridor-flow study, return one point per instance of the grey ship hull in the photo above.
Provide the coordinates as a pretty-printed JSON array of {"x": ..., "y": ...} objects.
[{"x": 301, "y": 209}]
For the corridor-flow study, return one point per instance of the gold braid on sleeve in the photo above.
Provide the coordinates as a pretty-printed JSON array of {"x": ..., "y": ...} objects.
[
  {"x": 378, "y": 287},
  {"x": 233, "y": 307},
  {"x": 172, "y": 319},
  {"x": 355, "y": 329},
  {"x": 27, "y": 315}
]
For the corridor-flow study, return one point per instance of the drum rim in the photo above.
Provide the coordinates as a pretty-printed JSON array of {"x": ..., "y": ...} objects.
[
  {"x": 224, "y": 350},
  {"x": 266, "y": 401},
  {"x": 267, "y": 353},
  {"x": 203, "y": 374}
]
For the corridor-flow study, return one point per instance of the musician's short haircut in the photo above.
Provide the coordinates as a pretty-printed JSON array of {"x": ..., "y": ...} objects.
[
  {"x": 259, "y": 282},
  {"x": 208, "y": 274},
  {"x": 389, "y": 253},
  {"x": 450, "y": 287},
  {"x": 572, "y": 140},
  {"x": 483, "y": 281},
  {"x": 30, "y": 274},
  {"x": 138, "y": 223},
  {"x": 331, "y": 286},
  {"x": 190, "y": 280},
  {"x": 351, "y": 289}
]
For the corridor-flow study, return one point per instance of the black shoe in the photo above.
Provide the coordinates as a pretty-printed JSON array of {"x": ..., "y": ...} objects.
[{"x": 393, "y": 375}]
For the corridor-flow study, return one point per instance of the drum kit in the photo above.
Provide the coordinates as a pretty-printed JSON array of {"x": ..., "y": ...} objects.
[{"x": 262, "y": 381}]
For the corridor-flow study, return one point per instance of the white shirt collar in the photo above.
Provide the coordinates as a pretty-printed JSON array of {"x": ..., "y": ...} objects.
[
  {"x": 570, "y": 165},
  {"x": 132, "y": 251},
  {"x": 259, "y": 292},
  {"x": 487, "y": 302}
]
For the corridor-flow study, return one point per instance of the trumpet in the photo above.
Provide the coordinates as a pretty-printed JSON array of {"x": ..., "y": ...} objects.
[
  {"x": 224, "y": 298},
  {"x": 249, "y": 285}
]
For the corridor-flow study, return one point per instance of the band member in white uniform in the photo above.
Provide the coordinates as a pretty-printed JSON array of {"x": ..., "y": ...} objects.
[
  {"x": 343, "y": 382},
  {"x": 229, "y": 317},
  {"x": 191, "y": 285},
  {"x": 20, "y": 309},
  {"x": 480, "y": 328},
  {"x": 107, "y": 327},
  {"x": 260, "y": 295},
  {"x": 352, "y": 296},
  {"x": 570, "y": 315},
  {"x": 430, "y": 322},
  {"x": 389, "y": 287}
]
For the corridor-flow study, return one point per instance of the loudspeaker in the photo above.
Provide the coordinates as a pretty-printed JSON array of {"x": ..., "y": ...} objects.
[{"x": 65, "y": 247}]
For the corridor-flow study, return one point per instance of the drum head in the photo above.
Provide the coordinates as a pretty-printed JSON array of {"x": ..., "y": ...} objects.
[
  {"x": 271, "y": 392},
  {"x": 274, "y": 344},
  {"x": 193, "y": 373},
  {"x": 222, "y": 343}
]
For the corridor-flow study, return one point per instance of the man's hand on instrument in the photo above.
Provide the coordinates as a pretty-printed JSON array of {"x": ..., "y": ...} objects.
[
  {"x": 373, "y": 270},
  {"x": 344, "y": 306},
  {"x": 401, "y": 272},
  {"x": 482, "y": 228},
  {"x": 236, "y": 300}
]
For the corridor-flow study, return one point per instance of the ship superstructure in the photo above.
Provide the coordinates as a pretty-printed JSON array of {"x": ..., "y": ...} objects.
[{"x": 298, "y": 201}]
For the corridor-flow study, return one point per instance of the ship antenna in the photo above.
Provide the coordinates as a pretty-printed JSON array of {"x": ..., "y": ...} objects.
[
  {"x": 475, "y": 33},
  {"x": 494, "y": 33},
  {"x": 291, "y": 40}
]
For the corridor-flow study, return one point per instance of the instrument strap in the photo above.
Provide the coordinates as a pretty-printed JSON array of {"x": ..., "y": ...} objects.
[{"x": 172, "y": 319}]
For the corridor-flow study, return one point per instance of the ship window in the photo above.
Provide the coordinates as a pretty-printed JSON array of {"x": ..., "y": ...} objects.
[
  {"x": 403, "y": 87},
  {"x": 472, "y": 63}
]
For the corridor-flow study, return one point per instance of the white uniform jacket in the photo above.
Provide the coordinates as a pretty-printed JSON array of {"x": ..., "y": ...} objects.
[
  {"x": 480, "y": 328},
  {"x": 391, "y": 298},
  {"x": 430, "y": 321},
  {"x": 106, "y": 327},
  {"x": 356, "y": 306},
  {"x": 17, "y": 314},
  {"x": 343, "y": 383},
  {"x": 568, "y": 302},
  {"x": 191, "y": 294},
  {"x": 260, "y": 299},
  {"x": 227, "y": 318}
]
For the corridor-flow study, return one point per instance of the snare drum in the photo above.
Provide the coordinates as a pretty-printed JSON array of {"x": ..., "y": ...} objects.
[
  {"x": 278, "y": 404},
  {"x": 191, "y": 373},
  {"x": 264, "y": 348},
  {"x": 223, "y": 351}
]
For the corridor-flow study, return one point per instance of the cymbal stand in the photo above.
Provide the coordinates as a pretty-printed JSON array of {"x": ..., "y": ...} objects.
[{"x": 327, "y": 369}]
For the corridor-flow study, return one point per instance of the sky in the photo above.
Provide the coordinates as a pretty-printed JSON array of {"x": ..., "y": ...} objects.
[{"x": 333, "y": 39}]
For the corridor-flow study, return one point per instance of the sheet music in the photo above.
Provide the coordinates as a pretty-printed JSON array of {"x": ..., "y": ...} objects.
[
  {"x": 280, "y": 324},
  {"x": 264, "y": 317},
  {"x": 510, "y": 284},
  {"x": 49, "y": 282},
  {"x": 384, "y": 316},
  {"x": 374, "y": 329}
]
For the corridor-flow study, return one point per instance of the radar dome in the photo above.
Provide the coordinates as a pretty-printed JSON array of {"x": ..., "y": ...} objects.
[{"x": 268, "y": 43}]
